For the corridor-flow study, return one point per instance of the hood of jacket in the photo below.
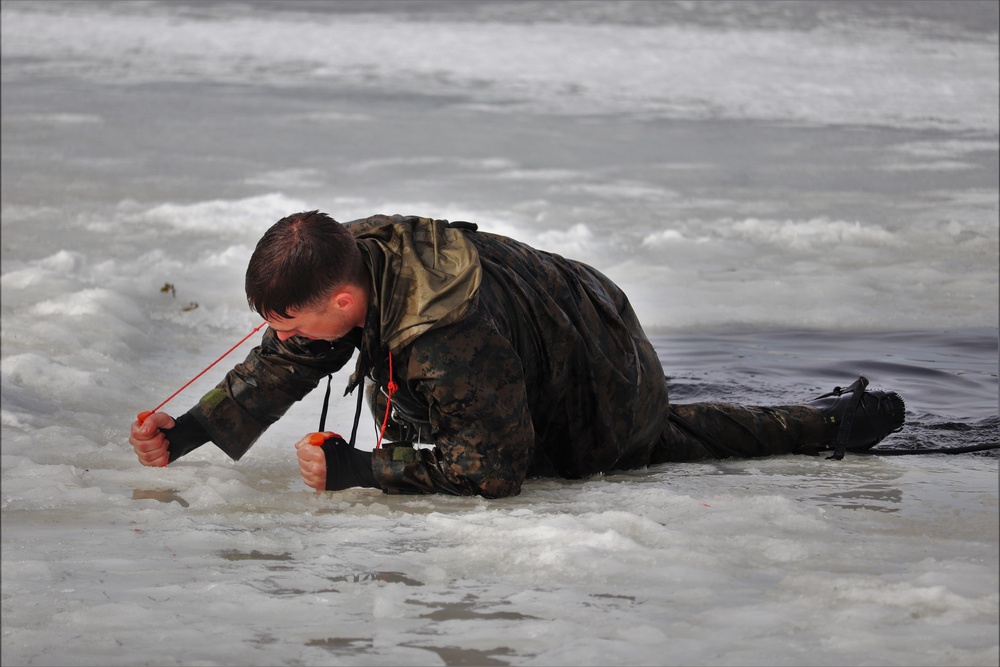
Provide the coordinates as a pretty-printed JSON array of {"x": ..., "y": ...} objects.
[{"x": 425, "y": 274}]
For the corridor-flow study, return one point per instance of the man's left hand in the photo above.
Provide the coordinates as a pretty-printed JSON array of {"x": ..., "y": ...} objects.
[{"x": 312, "y": 463}]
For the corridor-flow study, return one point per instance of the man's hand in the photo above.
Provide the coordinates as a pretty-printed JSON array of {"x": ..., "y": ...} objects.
[
  {"x": 148, "y": 440},
  {"x": 312, "y": 461}
]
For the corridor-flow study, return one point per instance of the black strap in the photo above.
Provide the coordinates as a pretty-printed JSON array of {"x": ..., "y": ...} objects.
[
  {"x": 357, "y": 412},
  {"x": 326, "y": 404}
]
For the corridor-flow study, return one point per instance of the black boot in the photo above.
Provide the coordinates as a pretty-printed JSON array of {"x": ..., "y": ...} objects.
[{"x": 857, "y": 419}]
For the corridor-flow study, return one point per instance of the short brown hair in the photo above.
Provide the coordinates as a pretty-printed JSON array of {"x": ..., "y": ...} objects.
[{"x": 298, "y": 263}]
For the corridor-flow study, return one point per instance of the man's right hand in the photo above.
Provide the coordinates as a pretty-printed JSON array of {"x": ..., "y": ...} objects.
[{"x": 148, "y": 440}]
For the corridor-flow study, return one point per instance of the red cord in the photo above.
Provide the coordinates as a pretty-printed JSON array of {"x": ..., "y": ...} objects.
[
  {"x": 390, "y": 390},
  {"x": 142, "y": 416}
]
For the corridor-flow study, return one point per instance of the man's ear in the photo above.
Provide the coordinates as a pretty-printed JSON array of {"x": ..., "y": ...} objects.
[{"x": 342, "y": 300}]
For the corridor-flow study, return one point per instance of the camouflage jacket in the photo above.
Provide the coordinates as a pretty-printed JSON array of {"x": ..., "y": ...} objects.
[{"x": 510, "y": 363}]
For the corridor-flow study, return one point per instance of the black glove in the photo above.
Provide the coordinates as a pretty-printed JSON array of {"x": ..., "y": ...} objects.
[
  {"x": 346, "y": 466},
  {"x": 186, "y": 436}
]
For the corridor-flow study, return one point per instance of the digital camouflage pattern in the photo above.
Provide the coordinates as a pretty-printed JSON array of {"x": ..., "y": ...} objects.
[{"x": 510, "y": 363}]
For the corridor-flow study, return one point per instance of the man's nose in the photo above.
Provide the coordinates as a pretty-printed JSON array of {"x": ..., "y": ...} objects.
[{"x": 284, "y": 335}]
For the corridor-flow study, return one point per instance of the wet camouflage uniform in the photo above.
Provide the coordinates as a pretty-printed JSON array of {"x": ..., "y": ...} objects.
[{"x": 511, "y": 361}]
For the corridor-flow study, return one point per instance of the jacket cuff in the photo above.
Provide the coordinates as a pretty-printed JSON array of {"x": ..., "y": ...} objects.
[{"x": 398, "y": 468}]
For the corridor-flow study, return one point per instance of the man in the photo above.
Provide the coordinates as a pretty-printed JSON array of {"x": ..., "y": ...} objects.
[{"x": 490, "y": 362}]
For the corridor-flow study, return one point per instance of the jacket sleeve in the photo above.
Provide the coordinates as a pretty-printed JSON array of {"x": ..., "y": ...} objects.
[
  {"x": 473, "y": 385},
  {"x": 258, "y": 391}
]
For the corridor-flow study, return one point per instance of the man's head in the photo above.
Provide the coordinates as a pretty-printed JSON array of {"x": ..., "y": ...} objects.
[{"x": 301, "y": 264}]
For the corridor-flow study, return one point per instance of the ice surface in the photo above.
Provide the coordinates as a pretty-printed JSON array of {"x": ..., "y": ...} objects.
[{"x": 791, "y": 193}]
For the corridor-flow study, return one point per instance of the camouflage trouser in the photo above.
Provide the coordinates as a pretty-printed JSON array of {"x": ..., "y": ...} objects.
[{"x": 700, "y": 431}]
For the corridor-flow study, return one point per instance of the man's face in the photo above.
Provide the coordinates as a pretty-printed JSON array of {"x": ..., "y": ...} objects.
[{"x": 323, "y": 323}]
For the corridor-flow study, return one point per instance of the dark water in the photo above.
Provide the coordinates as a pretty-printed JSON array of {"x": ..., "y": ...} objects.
[{"x": 949, "y": 379}]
